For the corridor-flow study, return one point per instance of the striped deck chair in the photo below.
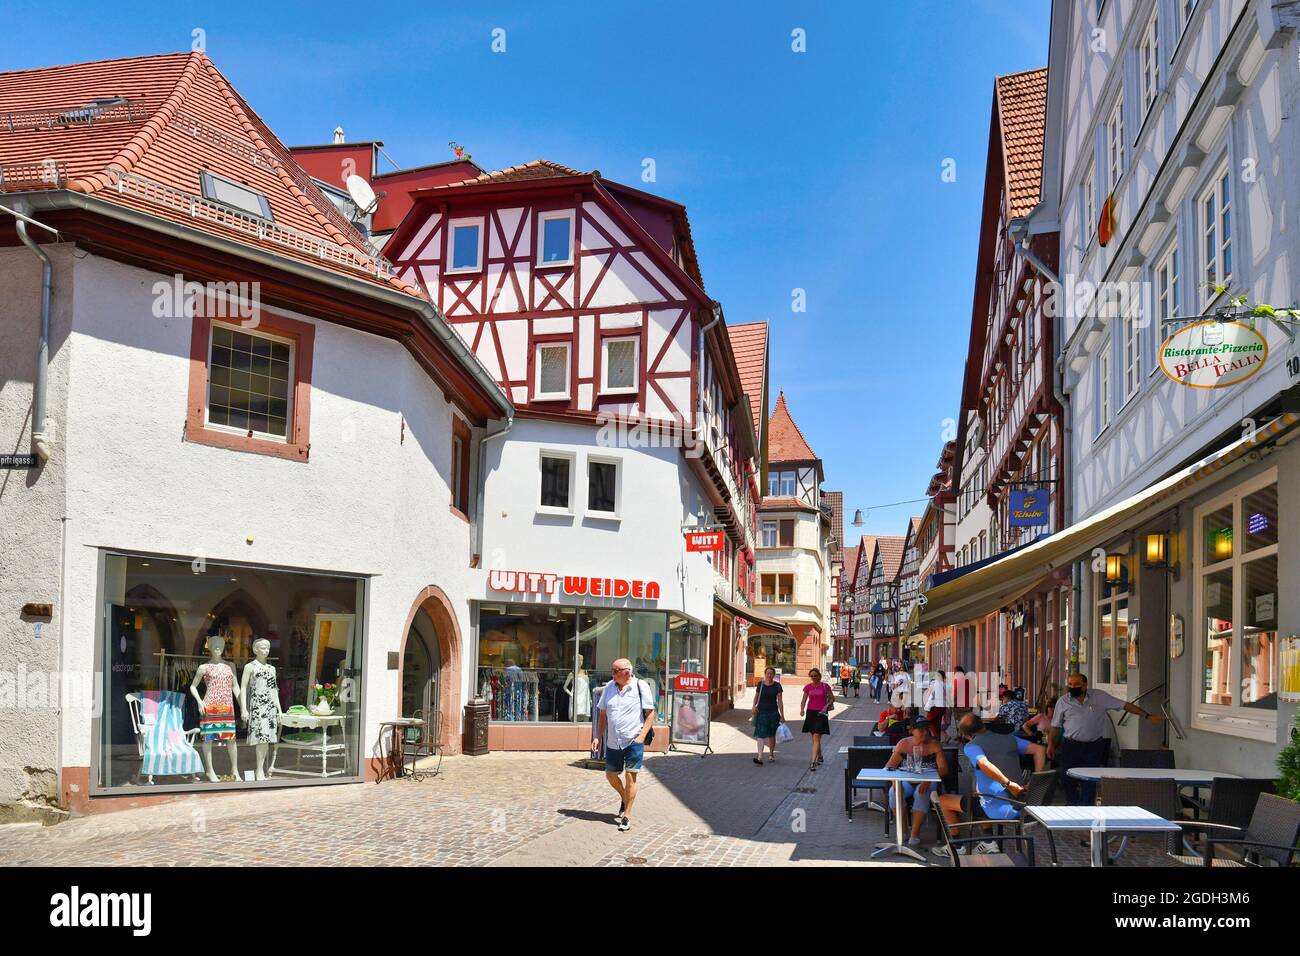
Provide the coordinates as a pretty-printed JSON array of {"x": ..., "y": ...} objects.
[{"x": 166, "y": 747}]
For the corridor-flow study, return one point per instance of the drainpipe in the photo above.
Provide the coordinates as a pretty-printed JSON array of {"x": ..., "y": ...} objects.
[
  {"x": 1067, "y": 423},
  {"x": 40, "y": 441},
  {"x": 480, "y": 485}
]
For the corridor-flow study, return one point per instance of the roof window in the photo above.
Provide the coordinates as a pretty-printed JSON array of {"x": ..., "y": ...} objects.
[{"x": 235, "y": 195}]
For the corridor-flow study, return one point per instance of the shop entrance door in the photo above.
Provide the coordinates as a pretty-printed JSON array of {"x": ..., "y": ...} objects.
[{"x": 421, "y": 666}]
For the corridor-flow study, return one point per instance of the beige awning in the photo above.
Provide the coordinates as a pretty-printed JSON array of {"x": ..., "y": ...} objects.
[
  {"x": 988, "y": 588},
  {"x": 758, "y": 623}
]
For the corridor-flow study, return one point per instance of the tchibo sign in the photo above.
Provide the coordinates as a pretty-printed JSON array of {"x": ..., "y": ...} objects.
[{"x": 1213, "y": 354}]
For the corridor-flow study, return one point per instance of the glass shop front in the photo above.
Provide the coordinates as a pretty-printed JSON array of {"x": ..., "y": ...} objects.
[
  {"x": 222, "y": 675},
  {"x": 548, "y": 664}
]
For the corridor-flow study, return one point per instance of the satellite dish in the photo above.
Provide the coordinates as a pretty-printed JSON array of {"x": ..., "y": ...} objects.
[{"x": 361, "y": 194}]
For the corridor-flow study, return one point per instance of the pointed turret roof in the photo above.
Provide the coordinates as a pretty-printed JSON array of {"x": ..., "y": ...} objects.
[{"x": 786, "y": 441}]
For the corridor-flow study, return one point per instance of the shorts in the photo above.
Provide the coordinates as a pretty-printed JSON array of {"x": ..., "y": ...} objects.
[
  {"x": 629, "y": 758},
  {"x": 999, "y": 809}
]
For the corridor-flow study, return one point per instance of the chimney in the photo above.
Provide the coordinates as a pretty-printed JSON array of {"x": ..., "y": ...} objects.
[{"x": 338, "y": 134}]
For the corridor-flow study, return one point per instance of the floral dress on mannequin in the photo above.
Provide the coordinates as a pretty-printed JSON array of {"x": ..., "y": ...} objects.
[
  {"x": 218, "y": 719},
  {"x": 263, "y": 705}
]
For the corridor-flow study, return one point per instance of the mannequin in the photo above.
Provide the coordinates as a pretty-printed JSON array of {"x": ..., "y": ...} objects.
[
  {"x": 579, "y": 697},
  {"x": 217, "y": 705},
  {"x": 262, "y": 711}
]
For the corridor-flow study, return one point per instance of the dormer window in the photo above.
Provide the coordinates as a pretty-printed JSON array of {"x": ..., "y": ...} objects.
[
  {"x": 555, "y": 238},
  {"x": 465, "y": 245},
  {"x": 235, "y": 195}
]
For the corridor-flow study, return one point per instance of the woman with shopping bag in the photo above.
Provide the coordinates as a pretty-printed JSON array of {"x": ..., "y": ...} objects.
[{"x": 768, "y": 715}]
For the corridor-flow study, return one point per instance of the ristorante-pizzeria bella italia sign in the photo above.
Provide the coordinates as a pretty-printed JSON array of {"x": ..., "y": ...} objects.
[
  {"x": 571, "y": 585},
  {"x": 1213, "y": 354}
]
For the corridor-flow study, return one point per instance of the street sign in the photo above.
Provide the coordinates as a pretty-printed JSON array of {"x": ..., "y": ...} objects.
[
  {"x": 17, "y": 461},
  {"x": 702, "y": 541},
  {"x": 1026, "y": 508}
]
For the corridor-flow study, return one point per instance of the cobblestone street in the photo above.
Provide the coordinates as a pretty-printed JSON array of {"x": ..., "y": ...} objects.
[
  {"x": 515, "y": 809},
  {"x": 503, "y": 809}
]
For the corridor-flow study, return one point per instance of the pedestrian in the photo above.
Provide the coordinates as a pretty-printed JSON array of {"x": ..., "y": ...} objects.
[
  {"x": 856, "y": 680},
  {"x": 818, "y": 698},
  {"x": 768, "y": 714},
  {"x": 626, "y": 710},
  {"x": 1081, "y": 719},
  {"x": 936, "y": 703},
  {"x": 846, "y": 674},
  {"x": 878, "y": 681}
]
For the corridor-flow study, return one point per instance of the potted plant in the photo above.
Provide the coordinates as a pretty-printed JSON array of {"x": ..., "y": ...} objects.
[
  {"x": 1288, "y": 763},
  {"x": 327, "y": 696}
]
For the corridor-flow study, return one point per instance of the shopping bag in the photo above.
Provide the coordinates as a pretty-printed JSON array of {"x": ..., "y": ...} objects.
[{"x": 784, "y": 734}]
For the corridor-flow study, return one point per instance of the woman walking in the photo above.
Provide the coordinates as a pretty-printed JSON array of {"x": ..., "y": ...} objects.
[
  {"x": 818, "y": 698},
  {"x": 768, "y": 714},
  {"x": 936, "y": 704}
]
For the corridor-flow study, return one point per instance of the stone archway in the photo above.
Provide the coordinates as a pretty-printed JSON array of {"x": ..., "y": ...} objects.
[{"x": 435, "y": 603}]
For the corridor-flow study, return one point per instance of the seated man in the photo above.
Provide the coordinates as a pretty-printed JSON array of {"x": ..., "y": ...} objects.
[
  {"x": 1013, "y": 711},
  {"x": 892, "y": 714},
  {"x": 996, "y": 761},
  {"x": 932, "y": 757}
]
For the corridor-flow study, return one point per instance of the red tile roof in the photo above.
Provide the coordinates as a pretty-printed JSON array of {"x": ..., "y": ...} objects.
[
  {"x": 537, "y": 169},
  {"x": 866, "y": 550},
  {"x": 180, "y": 117},
  {"x": 890, "y": 548},
  {"x": 836, "y": 501},
  {"x": 1021, "y": 102},
  {"x": 749, "y": 344},
  {"x": 786, "y": 441}
]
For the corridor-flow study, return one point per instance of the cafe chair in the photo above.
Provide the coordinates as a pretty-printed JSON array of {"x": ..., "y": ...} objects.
[
  {"x": 1156, "y": 796},
  {"x": 1156, "y": 759},
  {"x": 866, "y": 758},
  {"x": 968, "y": 833},
  {"x": 1270, "y": 836}
]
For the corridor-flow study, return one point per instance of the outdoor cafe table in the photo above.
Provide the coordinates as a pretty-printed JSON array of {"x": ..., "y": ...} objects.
[
  {"x": 1183, "y": 777},
  {"x": 1102, "y": 821},
  {"x": 897, "y": 778}
]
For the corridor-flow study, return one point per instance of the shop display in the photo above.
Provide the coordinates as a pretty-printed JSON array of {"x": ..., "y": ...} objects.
[
  {"x": 216, "y": 706},
  {"x": 197, "y": 661},
  {"x": 260, "y": 701},
  {"x": 578, "y": 687}
]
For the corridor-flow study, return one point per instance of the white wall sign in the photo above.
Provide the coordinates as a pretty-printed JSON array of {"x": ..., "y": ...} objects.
[{"x": 1213, "y": 354}]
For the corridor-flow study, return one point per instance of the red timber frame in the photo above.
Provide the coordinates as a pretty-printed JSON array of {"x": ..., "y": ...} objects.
[{"x": 557, "y": 301}]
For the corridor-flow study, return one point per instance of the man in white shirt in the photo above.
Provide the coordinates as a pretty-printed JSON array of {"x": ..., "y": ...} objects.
[
  {"x": 625, "y": 714},
  {"x": 1079, "y": 725}
]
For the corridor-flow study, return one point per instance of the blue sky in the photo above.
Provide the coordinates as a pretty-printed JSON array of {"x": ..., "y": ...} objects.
[{"x": 818, "y": 170}]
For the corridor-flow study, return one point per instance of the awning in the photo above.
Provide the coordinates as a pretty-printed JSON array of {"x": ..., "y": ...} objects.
[
  {"x": 758, "y": 623},
  {"x": 912, "y": 620},
  {"x": 986, "y": 589}
]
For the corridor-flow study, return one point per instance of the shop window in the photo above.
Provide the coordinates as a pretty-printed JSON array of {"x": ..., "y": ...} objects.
[
  {"x": 557, "y": 482},
  {"x": 460, "y": 445},
  {"x": 552, "y": 375},
  {"x": 770, "y": 650},
  {"x": 465, "y": 242},
  {"x": 1111, "y": 627},
  {"x": 602, "y": 486},
  {"x": 1237, "y": 610},
  {"x": 180, "y": 632}
]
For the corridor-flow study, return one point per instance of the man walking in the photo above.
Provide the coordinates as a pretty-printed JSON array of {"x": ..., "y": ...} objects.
[
  {"x": 625, "y": 714},
  {"x": 1080, "y": 717}
]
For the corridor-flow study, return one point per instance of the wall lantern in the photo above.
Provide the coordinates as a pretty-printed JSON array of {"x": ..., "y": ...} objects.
[
  {"x": 1114, "y": 568},
  {"x": 1157, "y": 550}
]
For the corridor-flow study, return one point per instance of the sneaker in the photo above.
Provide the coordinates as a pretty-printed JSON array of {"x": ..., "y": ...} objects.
[
  {"x": 987, "y": 847},
  {"x": 946, "y": 853},
  {"x": 914, "y": 841},
  {"x": 759, "y": 761},
  {"x": 624, "y": 825}
]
